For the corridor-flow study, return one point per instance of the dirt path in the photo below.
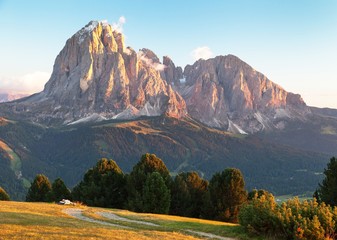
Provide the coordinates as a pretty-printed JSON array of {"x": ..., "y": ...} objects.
[
  {"x": 118, "y": 218},
  {"x": 209, "y": 235},
  {"x": 77, "y": 213}
]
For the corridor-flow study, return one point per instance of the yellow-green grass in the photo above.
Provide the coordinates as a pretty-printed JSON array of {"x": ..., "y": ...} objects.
[
  {"x": 20, "y": 220},
  {"x": 176, "y": 223}
]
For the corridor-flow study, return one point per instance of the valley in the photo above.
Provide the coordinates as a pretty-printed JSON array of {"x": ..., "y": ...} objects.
[
  {"x": 184, "y": 145},
  {"x": 105, "y": 100}
]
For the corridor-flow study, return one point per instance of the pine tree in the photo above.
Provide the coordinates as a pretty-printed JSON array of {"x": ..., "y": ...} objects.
[
  {"x": 189, "y": 195},
  {"x": 59, "y": 190},
  {"x": 148, "y": 164},
  {"x": 3, "y": 195},
  {"x": 102, "y": 186},
  {"x": 40, "y": 190},
  {"x": 257, "y": 193},
  {"x": 227, "y": 194},
  {"x": 156, "y": 196},
  {"x": 327, "y": 191}
]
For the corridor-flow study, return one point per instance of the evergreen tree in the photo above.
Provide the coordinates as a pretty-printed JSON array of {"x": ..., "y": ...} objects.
[
  {"x": 59, "y": 191},
  {"x": 257, "y": 193},
  {"x": 227, "y": 194},
  {"x": 3, "y": 195},
  {"x": 156, "y": 195},
  {"x": 189, "y": 195},
  {"x": 327, "y": 191},
  {"x": 148, "y": 164},
  {"x": 40, "y": 190},
  {"x": 103, "y": 186}
]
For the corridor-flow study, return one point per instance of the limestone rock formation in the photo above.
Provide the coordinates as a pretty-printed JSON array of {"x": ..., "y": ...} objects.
[
  {"x": 172, "y": 74},
  {"x": 96, "y": 74},
  {"x": 227, "y": 93},
  {"x": 95, "y": 77}
]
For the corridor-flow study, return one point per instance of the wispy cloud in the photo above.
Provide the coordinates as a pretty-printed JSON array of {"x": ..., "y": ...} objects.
[
  {"x": 149, "y": 62},
  {"x": 201, "y": 52},
  {"x": 119, "y": 25},
  {"x": 28, "y": 83}
]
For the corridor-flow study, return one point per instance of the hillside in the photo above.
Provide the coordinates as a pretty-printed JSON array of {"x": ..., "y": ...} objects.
[
  {"x": 51, "y": 221},
  {"x": 104, "y": 99},
  {"x": 184, "y": 145}
]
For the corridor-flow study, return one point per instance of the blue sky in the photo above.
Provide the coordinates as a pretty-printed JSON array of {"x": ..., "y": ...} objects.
[{"x": 293, "y": 42}]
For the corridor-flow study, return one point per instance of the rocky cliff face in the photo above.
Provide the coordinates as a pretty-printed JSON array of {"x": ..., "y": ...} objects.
[
  {"x": 96, "y": 77},
  {"x": 225, "y": 92}
]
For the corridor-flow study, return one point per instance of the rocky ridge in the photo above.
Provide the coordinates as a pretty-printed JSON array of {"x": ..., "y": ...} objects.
[
  {"x": 95, "y": 77},
  {"x": 227, "y": 93}
]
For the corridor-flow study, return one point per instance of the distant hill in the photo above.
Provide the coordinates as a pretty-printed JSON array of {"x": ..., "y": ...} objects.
[
  {"x": 184, "y": 145},
  {"x": 7, "y": 96}
]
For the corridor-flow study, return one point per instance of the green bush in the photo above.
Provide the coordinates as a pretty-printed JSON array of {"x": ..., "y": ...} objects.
[
  {"x": 290, "y": 220},
  {"x": 260, "y": 216}
]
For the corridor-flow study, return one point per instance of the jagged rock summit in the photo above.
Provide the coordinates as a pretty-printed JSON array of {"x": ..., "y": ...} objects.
[
  {"x": 225, "y": 92},
  {"x": 95, "y": 77}
]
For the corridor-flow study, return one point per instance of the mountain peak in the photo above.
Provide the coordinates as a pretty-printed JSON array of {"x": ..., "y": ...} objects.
[
  {"x": 96, "y": 77},
  {"x": 97, "y": 32},
  {"x": 224, "y": 91}
]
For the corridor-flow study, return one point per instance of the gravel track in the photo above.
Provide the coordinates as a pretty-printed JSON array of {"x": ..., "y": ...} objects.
[
  {"x": 118, "y": 218},
  {"x": 78, "y": 213}
]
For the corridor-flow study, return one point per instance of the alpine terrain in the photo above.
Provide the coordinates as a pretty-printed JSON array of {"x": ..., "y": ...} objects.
[{"x": 104, "y": 99}]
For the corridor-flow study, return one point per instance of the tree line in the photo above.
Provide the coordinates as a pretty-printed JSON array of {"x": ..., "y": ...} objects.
[{"x": 150, "y": 188}]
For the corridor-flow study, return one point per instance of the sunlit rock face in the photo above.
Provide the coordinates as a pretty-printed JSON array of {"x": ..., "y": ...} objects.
[
  {"x": 95, "y": 77},
  {"x": 227, "y": 93},
  {"x": 96, "y": 74}
]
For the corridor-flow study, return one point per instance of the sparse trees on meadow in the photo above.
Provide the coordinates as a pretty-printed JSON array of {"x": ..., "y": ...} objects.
[
  {"x": 227, "y": 194},
  {"x": 40, "y": 189},
  {"x": 156, "y": 195},
  {"x": 148, "y": 164},
  {"x": 59, "y": 191},
  {"x": 102, "y": 185},
  {"x": 189, "y": 195}
]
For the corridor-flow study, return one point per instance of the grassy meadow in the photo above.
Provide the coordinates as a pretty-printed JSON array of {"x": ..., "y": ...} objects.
[{"x": 21, "y": 220}]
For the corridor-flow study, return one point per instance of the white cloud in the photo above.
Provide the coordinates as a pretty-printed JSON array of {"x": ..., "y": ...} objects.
[
  {"x": 158, "y": 66},
  {"x": 28, "y": 83},
  {"x": 119, "y": 25},
  {"x": 201, "y": 52}
]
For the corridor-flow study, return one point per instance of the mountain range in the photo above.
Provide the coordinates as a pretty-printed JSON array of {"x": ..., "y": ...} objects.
[
  {"x": 7, "y": 96},
  {"x": 104, "y": 99}
]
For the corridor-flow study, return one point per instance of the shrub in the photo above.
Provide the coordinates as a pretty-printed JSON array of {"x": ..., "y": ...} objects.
[
  {"x": 260, "y": 216},
  {"x": 290, "y": 220}
]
